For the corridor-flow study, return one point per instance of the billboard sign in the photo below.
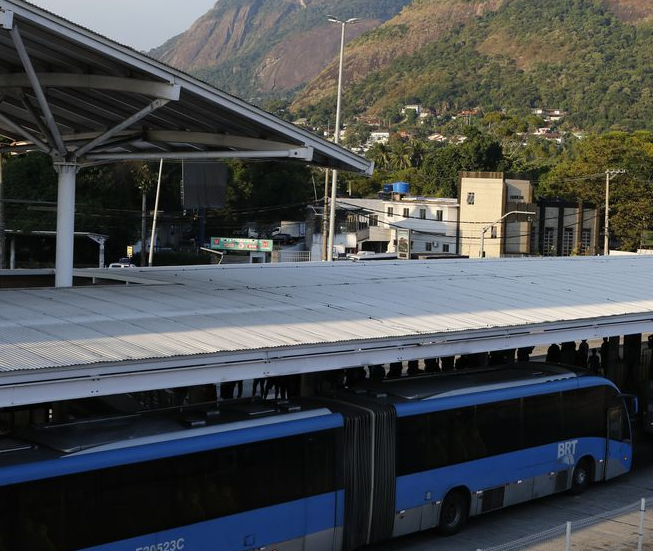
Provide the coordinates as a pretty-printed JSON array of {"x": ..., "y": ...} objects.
[{"x": 238, "y": 244}]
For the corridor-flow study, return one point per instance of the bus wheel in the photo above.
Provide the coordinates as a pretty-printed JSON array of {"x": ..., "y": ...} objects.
[
  {"x": 454, "y": 513},
  {"x": 581, "y": 477}
]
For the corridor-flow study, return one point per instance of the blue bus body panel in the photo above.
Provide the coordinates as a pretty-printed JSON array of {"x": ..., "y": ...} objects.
[
  {"x": 491, "y": 472},
  {"x": 136, "y": 454},
  {"x": 252, "y": 529},
  {"x": 495, "y": 471}
]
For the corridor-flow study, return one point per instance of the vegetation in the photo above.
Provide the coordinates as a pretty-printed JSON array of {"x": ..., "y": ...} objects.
[
  {"x": 108, "y": 201},
  {"x": 573, "y": 55},
  {"x": 581, "y": 174},
  {"x": 269, "y": 23}
]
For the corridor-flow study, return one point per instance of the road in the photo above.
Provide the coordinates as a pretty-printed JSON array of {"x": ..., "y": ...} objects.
[{"x": 522, "y": 520}]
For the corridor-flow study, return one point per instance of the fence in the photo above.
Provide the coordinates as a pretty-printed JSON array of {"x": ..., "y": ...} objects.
[
  {"x": 624, "y": 529},
  {"x": 291, "y": 256}
]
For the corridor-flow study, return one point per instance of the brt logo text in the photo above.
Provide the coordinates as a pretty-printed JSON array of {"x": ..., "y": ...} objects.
[{"x": 567, "y": 448}]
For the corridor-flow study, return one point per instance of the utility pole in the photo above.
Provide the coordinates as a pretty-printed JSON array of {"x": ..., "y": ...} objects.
[
  {"x": 150, "y": 261},
  {"x": 606, "y": 236},
  {"x": 325, "y": 218}
]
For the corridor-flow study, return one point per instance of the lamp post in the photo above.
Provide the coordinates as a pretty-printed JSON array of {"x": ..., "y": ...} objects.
[
  {"x": 334, "y": 182},
  {"x": 486, "y": 228},
  {"x": 606, "y": 237}
]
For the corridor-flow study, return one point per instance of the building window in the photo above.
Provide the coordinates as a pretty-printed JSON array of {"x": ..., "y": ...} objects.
[
  {"x": 548, "y": 242},
  {"x": 390, "y": 212},
  {"x": 493, "y": 232},
  {"x": 567, "y": 241},
  {"x": 406, "y": 213},
  {"x": 438, "y": 215},
  {"x": 445, "y": 248},
  {"x": 428, "y": 247},
  {"x": 374, "y": 220},
  {"x": 585, "y": 241},
  {"x": 422, "y": 214},
  {"x": 470, "y": 198}
]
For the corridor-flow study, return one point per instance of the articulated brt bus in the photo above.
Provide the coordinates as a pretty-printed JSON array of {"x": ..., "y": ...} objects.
[{"x": 338, "y": 472}]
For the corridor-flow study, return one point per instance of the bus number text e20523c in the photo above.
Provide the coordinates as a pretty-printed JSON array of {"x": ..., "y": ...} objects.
[{"x": 171, "y": 545}]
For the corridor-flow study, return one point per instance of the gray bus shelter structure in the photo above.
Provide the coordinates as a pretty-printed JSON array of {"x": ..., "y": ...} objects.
[
  {"x": 174, "y": 327},
  {"x": 85, "y": 100}
]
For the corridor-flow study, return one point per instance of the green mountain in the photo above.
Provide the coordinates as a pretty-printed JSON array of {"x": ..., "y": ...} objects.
[
  {"x": 259, "y": 49},
  {"x": 591, "y": 58}
]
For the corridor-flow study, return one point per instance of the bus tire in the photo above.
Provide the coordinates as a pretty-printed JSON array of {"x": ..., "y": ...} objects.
[
  {"x": 453, "y": 513},
  {"x": 581, "y": 477}
]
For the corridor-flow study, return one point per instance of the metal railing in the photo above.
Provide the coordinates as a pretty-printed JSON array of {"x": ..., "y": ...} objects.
[
  {"x": 625, "y": 528},
  {"x": 291, "y": 256}
]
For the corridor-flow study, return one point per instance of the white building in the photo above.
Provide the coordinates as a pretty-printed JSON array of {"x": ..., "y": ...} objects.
[{"x": 372, "y": 225}]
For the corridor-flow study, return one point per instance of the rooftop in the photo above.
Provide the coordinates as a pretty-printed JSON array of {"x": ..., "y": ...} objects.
[{"x": 178, "y": 326}]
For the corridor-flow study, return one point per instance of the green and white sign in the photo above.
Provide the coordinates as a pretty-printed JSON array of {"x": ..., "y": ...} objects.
[{"x": 238, "y": 244}]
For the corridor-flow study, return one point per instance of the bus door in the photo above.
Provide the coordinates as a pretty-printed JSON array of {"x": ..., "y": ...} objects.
[{"x": 618, "y": 443}]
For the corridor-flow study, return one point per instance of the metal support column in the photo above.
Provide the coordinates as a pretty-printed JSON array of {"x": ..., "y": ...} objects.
[
  {"x": 143, "y": 228},
  {"x": 12, "y": 253},
  {"x": 2, "y": 221},
  {"x": 632, "y": 352},
  {"x": 65, "y": 223}
]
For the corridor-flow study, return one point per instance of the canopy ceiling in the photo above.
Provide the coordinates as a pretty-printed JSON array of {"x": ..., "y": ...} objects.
[{"x": 83, "y": 98}]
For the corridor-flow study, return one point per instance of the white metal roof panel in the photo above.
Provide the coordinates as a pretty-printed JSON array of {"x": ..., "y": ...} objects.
[{"x": 371, "y": 312}]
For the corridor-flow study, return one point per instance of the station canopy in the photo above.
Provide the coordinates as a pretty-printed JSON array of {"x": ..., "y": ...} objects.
[
  {"x": 85, "y": 100},
  {"x": 181, "y": 326},
  {"x": 78, "y": 96}
]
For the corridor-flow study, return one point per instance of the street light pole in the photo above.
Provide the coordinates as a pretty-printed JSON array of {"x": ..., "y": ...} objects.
[
  {"x": 486, "y": 228},
  {"x": 334, "y": 182},
  {"x": 606, "y": 235}
]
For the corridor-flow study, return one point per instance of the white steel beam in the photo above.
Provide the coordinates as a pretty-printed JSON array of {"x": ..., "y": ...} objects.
[
  {"x": 36, "y": 117},
  {"x": 156, "y": 104},
  {"x": 38, "y": 90},
  {"x": 24, "y": 133},
  {"x": 302, "y": 153},
  {"x": 214, "y": 139},
  {"x": 6, "y": 19},
  {"x": 115, "y": 378},
  {"x": 160, "y": 90}
]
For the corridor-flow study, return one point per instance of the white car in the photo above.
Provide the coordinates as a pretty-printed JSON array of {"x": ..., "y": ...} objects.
[{"x": 122, "y": 263}]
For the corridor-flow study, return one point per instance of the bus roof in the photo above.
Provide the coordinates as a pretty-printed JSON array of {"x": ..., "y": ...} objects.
[
  {"x": 173, "y": 425},
  {"x": 468, "y": 381}
]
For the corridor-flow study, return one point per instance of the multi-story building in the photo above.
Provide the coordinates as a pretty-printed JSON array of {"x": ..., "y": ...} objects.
[
  {"x": 564, "y": 228},
  {"x": 372, "y": 225},
  {"x": 499, "y": 216}
]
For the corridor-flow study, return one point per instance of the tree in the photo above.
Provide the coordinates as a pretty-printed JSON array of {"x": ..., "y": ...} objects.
[{"x": 581, "y": 175}]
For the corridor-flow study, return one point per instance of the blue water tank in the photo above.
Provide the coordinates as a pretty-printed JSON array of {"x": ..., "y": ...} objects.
[
  {"x": 387, "y": 188},
  {"x": 401, "y": 187}
]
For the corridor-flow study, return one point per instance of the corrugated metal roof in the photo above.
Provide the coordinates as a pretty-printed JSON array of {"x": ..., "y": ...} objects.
[{"x": 209, "y": 310}]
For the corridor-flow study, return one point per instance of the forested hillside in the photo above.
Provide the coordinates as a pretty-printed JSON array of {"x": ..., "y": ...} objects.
[
  {"x": 575, "y": 55},
  {"x": 257, "y": 49}
]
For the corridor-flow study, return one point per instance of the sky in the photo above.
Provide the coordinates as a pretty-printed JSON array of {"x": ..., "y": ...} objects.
[{"x": 141, "y": 24}]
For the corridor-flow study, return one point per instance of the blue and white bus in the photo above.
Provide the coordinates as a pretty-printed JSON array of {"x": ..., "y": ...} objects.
[{"x": 338, "y": 472}]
